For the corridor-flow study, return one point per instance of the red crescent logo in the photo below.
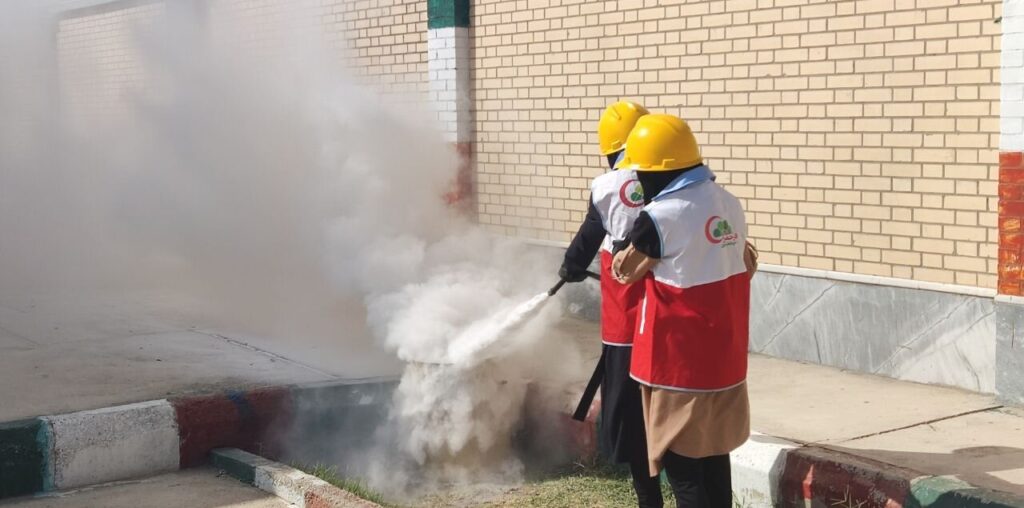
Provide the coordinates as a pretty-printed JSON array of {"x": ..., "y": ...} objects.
[
  {"x": 624, "y": 195},
  {"x": 707, "y": 230}
]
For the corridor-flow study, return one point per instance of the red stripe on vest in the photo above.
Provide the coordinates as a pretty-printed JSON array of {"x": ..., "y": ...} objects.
[
  {"x": 619, "y": 305},
  {"x": 694, "y": 338}
]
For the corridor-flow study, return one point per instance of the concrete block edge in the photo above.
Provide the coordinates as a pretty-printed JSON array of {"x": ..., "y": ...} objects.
[
  {"x": 768, "y": 471},
  {"x": 289, "y": 484}
]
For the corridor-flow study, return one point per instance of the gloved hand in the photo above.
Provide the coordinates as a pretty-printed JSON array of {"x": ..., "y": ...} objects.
[{"x": 571, "y": 274}]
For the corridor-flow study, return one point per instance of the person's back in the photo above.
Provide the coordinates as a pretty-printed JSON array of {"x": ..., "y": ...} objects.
[
  {"x": 688, "y": 250},
  {"x": 618, "y": 198},
  {"x": 701, "y": 286}
]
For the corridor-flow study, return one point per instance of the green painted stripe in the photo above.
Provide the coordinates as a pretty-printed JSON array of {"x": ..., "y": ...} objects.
[
  {"x": 239, "y": 464},
  {"x": 944, "y": 492},
  {"x": 21, "y": 458},
  {"x": 447, "y": 13}
]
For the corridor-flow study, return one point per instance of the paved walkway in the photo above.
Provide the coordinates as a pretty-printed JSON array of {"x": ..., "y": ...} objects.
[
  {"x": 64, "y": 355},
  {"x": 59, "y": 353},
  {"x": 192, "y": 488},
  {"x": 929, "y": 429}
]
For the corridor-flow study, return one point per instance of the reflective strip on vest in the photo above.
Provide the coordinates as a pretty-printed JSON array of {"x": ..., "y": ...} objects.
[{"x": 694, "y": 325}]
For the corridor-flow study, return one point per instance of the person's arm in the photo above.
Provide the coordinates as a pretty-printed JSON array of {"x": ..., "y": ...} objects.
[
  {"x": 750, "y": 256},
  {"x": 584, "y": 247},
  {"x": 639, "y": 253}
]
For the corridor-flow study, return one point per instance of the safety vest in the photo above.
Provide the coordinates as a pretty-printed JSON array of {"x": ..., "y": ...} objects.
[
  {"x": 618, "y": 198},
  {"x": 692, "y": 330}
]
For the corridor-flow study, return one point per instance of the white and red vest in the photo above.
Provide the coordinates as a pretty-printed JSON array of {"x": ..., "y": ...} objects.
[
  {"x": 618, "y": 198},
  {"x": 692, "y": 330}
]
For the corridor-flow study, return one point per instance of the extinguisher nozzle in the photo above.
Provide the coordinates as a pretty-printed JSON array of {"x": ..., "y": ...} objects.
[{"x": 553, "y": 290}]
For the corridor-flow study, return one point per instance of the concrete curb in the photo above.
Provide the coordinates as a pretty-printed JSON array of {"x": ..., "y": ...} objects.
[
  {"x": 117, "y": 443},
  {"x": 290, "y": 484},
  {"x": 772, "y": 472},
  {"x": 103, "y": 445}
]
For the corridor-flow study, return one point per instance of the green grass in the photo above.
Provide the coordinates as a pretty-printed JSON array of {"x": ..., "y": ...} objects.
[
  {"x": 597, "y": 486},
  {"x": 330, "y": 475},
  {"x": 578, "y": 486}
]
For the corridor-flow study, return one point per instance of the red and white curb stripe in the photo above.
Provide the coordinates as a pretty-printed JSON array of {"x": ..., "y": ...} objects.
[
  {"x": 134, "y": 440},
  {"x": 290, "y": 484}
]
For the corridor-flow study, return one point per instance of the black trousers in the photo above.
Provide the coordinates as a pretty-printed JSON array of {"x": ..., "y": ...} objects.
[
  {"x": 648, "y": 488},
  {"x": 699, "y": 483}
]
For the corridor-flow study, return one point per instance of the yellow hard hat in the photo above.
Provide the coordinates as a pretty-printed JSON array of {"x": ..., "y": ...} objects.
[
  {"x": 616, "y": 122},
  {"x": 660, "y": 143}
]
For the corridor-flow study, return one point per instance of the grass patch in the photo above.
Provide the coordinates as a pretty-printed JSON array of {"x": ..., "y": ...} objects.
[
  {"x": 598, "y": 486},
  {"x": 330, "y": 475},
  {"x": 577, "y": 486}
]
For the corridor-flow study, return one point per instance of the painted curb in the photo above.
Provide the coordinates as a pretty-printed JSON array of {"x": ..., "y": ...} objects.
[
  {"x": 770, "y": 472},
  {"x": 21, "y": 458},
  {"x": 117, "y": 443},
  {"x": 756, "y": 468},
  {"x": 287, "y": 483},
  {"x": 121, "y": 442},
  {"x": 103, "y": 445},
  {"x": 235, "y": 420}
]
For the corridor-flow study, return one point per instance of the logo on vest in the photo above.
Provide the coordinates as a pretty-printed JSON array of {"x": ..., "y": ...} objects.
[
  {"x": 632, "y": 194},
  {"x": 719, "y": 231}
]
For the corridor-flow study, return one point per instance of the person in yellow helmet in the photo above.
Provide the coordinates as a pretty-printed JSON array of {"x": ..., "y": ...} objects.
[
  {"x": 615, "y": 202},
  {"x": 688, "y": 249}
]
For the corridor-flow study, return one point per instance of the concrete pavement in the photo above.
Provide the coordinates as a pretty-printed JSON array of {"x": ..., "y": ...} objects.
[
  {"x": 62, "y": 353},
  {"x": 193, "y": 488},
  {"x": 910, "y": 430},
  {"x": 932, "y": 430},
  {"x": 60, "y": 356}
]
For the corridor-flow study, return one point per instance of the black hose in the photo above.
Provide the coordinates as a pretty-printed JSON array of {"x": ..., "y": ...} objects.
[
  {"x": 553, "y": 290},
  {"x": 561, "y": 282}
]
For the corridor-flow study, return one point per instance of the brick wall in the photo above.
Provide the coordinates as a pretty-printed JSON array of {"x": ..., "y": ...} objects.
[
  {"x": 384, "y": 43},
  {"x": 861, "y": 135},
  {"x": 386, "y": 39},
  {"x": 97, "y": 62}
]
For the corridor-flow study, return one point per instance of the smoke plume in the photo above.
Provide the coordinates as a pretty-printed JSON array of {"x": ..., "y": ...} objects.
[{"x": 261, "y": 177}]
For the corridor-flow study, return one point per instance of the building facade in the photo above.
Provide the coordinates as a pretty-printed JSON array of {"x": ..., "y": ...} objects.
[{"x": 875, "y": 144}]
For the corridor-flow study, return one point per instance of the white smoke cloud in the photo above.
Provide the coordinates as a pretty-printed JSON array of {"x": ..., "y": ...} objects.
[{"x": 269, "y": 183}]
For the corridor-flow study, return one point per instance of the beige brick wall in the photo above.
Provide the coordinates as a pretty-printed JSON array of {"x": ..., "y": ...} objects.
[
  {"x": 98, "y": 65},
  {"x": 386, "y": 41},
  {"x": 383, "y": 42},
  {"x": 860, "y": 135}
]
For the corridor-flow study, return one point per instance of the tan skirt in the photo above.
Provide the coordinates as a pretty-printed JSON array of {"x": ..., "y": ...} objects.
[{"x": 694, "y": 425}]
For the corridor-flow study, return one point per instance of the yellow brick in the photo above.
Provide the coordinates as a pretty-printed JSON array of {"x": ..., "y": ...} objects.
[
  {"x": 901, "y": 258},
  {"x": 765, "y": 15},
  {"x": 971, "y": 12},
  {"x": 897, "y": 199},
  {"x": 872, "y": 124},
  {"x": 822, "y": 10},
  {"x": 877, "y": 95},
  {"x": 904, "y": 48},
  {"x": 980, "y": 76}
]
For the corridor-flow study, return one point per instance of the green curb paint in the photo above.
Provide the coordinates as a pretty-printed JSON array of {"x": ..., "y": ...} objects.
[
  {"x": 234, "y": 464},
  {"x": 21, "y": 458},
  {"x": 447, "y": 13},
  {"x": 945, "y": 492}
]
